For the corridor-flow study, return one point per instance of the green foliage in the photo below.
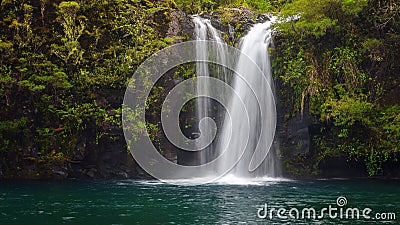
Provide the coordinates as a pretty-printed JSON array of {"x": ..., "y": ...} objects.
[
  {"x": 325, "y": 58},
  {"x": 353, "y": 7},
  {"x": 199, "y": 6},
  {"x": 364, "y": 131},
  {"x": 64, "y": 69},
  {"x": 347, "y": 111},
  {"x": 73, "y": 26},
  {"x": 11, "y": 132}
]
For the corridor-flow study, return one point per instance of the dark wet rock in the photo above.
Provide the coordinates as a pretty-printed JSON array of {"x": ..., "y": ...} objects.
[
  {"x": 79, "y": 153},
  {"x": 233, "y": 23},
  {"x": 261, "y": 18},
  {"x": 175, "y": 26}
]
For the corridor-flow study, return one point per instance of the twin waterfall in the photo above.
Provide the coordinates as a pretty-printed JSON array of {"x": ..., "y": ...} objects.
[{"x": 254, "y": 46}]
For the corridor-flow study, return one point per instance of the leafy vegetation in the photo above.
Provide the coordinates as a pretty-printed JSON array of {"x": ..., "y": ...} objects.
[
  {"x": 340, "y": 58},
  {"x": 64, "y": 66}
]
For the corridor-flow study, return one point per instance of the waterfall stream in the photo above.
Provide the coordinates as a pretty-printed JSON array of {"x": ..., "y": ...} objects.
[
  {"x": 255, "y": 46},
  {"x": 205, "y": 31}
]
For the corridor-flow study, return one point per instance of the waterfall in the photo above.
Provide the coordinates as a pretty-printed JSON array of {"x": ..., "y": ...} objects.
[
  {"x": 255, "y": 46},
  {"x": 203, "y": 104},
  {"x": 205, "y": 31}
]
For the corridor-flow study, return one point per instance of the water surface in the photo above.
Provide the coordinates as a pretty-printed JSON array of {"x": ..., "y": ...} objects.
[{"x": 152, "y": 202}]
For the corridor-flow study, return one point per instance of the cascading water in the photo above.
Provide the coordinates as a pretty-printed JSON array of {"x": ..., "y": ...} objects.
[
  {"x": 203, "y": 104},
  {"x": 255, "y": 46},
  {"x": 205, "y": 31}
]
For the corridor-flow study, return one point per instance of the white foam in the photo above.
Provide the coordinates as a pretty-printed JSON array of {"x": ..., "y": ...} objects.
[
  {"x": 229, "y": 179},
  {"x": 234, "y": 180}
]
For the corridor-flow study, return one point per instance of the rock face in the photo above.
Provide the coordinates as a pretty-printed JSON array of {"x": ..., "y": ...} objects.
[
  {"x": 234, "y": 22},
  {"x": 293, "y": 133},
  {"x": 107, "y": 160}
]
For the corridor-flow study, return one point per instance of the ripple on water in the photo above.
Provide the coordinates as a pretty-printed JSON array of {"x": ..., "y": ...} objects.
[{"x": 68, "y": 217}]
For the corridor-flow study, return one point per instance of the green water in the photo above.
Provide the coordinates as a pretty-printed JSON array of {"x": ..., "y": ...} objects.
[{"x": 146, "y": 202}]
